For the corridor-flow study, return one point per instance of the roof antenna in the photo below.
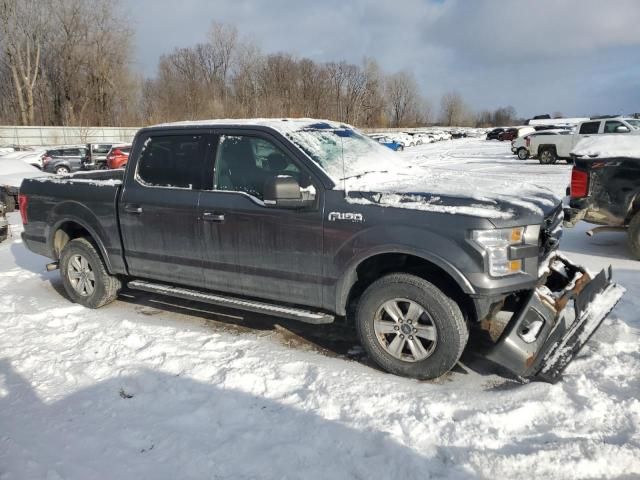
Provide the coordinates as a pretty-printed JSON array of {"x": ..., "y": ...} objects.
[{"x": 344, "y": 176}]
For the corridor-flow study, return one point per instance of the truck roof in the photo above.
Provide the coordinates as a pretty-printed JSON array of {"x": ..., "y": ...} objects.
[{"x": 282, "y": 125}]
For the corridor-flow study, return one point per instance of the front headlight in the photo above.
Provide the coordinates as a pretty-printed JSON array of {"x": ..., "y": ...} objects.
[{"x": 496, "y": 244}]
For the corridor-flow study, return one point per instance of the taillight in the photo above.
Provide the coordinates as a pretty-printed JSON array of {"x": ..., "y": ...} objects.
[
  {"x": 23, "y": 202},
  {"x": 46, "y": 159},
  {"x": 579, "y": 183}
]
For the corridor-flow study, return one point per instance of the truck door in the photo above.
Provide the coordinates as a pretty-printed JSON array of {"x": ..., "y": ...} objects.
[
  {"x": 158, "y": 208},
  {"x": 252, "y": 249}
]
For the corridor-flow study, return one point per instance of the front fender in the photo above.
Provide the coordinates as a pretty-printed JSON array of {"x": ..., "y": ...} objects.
[{"x": 418, "y": 242}]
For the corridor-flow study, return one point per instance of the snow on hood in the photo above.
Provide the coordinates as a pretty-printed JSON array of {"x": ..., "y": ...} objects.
[
  {"x": 422, "y": 188},
  {"x": 13, "y": 171},
  {"x": 609, "y": 146}
]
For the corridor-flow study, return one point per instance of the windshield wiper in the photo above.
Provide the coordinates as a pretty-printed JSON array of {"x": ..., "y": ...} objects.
[{"x": 364, "y": 173}]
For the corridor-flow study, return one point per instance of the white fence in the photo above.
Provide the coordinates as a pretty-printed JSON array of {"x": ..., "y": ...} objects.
[{"x": 50, "y": 136}]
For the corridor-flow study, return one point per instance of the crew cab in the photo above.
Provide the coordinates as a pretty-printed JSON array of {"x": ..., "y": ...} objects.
[
  {"x": 560, "y": 146},
  {"x": 312, "y": 220},
  {"x": 605, "y": 187}
]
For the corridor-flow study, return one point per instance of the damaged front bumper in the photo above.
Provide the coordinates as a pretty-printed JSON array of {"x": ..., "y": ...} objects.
[{"x": 554, "y": 321}]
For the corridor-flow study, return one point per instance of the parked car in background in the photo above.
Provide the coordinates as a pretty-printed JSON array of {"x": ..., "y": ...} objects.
[
  {"x": 495, "y": 133},
  {"x": 32, "y": 156},
  {"x": 605, "y": 186},
  {"x": 557, "y": 147},
  {"x": 389, "y": 143},
  {"x": 521, "y": 145},
  {"x": 508, "y": 135},
  {"x": 96, "y": 158},
  {"x": 12, "y": 172},
  {"x": 63, "y": 160},
  {"x": 118, "y": 156}
]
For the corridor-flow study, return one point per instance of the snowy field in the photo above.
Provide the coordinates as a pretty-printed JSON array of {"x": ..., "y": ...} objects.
[{"x": 157, "y": 388}]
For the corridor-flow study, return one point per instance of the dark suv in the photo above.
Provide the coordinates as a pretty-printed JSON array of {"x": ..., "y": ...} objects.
[
  {"x": 64, "y": 160},
  {"x": 494, "y": 134}
]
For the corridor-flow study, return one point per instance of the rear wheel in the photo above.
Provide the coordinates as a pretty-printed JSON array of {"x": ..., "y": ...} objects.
[
  {"x": 62, "y": 170},
  {"x": 523, "y": 154},
  {"x": 634, "y": 236},
  {"x": 547, "y": 156},
  {"x": 411, "y": 328},
  {"x": 84, "y": 275}
]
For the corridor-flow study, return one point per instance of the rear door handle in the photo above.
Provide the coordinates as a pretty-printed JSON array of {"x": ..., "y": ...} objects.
[
  {"x": 135, "y": 209},
  {"x": 213, "y": 217}
]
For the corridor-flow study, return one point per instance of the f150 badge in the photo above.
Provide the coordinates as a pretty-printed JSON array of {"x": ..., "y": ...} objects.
[{"x": 346, "y": 216}]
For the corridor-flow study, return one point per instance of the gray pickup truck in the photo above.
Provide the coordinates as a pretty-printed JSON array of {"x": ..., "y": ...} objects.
[{"x": 311, "y": 220}]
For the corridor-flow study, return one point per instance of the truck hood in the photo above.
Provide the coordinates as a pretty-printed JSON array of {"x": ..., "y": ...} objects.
[
  {"x": 494, "y": 197},
  {"x": 14, "y": 180}
]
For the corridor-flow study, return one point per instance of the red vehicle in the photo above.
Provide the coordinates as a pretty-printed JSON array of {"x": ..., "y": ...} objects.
[
  {"x": 118, "y": 156},
  {"x": 508, "y": 135}
]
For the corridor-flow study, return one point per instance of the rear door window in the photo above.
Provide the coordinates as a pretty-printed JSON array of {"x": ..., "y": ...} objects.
[
  {"x": 589, "y": 128},
  {"x": 173, "y": 161}
]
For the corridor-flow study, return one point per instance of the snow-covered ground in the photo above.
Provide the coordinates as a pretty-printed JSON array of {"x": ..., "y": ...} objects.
[{"x": 156, "y": 388}]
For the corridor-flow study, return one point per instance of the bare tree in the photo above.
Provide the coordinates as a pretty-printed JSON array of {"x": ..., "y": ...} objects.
[
  {"x": 22, "y": 28},
  {"x": 402, "y": 97},
  {"x": 452, "y": 109}
]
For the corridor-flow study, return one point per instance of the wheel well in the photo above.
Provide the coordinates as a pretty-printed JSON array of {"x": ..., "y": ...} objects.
[
  {"x": 67, "y": 232},
  {"x": 544, "y": 147},
  {"x": 377, "y": 266}
]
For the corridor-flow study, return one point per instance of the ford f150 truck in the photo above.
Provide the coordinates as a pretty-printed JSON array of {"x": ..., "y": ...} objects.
[
  {"x": 311, "y": 220},
  {"x": 548, "y": 150},
  {"x": 605, "y": 187}
]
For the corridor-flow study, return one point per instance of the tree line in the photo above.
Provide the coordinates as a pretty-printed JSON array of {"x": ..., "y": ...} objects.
[{"x": 69, "y": 62}]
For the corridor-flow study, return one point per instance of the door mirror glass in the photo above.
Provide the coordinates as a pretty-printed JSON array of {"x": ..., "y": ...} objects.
[{"x": 622, "y": 129}]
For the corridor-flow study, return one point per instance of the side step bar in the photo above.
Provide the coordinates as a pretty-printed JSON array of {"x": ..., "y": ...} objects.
[{"x": 292, "y": 313}]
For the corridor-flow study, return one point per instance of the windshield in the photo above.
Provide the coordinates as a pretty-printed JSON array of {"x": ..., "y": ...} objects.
[
  {"x": 634, "y": 123},
  {"x": 329, "y": 144}
]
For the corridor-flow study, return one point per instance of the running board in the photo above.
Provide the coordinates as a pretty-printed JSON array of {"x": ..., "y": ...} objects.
[{"x": 292, "y": 313}]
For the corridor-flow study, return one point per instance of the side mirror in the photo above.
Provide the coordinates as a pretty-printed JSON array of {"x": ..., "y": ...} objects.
[
  {"x": 283, "y": 191},
  {"x": 622, "y": 129}
]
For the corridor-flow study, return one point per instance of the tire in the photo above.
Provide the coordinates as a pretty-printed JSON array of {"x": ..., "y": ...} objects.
[
  {"x": 101, "y": 287},
  {"x": 400, "y": 148},
  {"x": 444, "y": 330},
  {"x": 634, "y": 236},
  {"x": 62, "y": 170},
  {"x": 522, "y": 153},
  {"x": 9, "y": 202},
  {"x": 547, "y": 156}
]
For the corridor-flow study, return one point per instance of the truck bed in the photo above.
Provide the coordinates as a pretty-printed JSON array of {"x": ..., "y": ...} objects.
[{"x": 89, "y": 200}]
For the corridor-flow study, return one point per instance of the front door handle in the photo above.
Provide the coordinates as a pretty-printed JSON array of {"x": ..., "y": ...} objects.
[
  {"x": 213, "y": 217},
  {"x": 135, "y": 209}
]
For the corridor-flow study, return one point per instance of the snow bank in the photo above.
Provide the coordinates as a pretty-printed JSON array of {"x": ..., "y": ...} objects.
[{"x": 608, "y": 146}]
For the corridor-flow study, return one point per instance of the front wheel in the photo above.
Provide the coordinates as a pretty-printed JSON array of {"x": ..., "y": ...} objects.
[
  {"x": 634, "y": 236},
  {"x": 84, "y": 275},
  {"x": 411, "y": 328},
  {"x": 62, "y": 170}
]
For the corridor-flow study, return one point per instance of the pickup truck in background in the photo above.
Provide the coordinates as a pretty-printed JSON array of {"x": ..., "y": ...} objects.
[
  {"x": 552, "y": 148},
  {"x": 605, "y": 186},
  {"x": 312, "y": 220}
]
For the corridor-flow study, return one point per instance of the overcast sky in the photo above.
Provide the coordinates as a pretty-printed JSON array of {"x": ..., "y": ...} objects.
[{"x": 574, "y": 56}]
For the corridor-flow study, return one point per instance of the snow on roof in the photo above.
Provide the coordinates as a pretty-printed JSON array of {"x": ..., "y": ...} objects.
[
  {"x": 282, "y": 125},
  {"x": 606, "y": 146}
]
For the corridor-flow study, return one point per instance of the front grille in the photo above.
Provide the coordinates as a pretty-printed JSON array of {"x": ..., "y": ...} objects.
[{"x": 551, "y": 231}]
